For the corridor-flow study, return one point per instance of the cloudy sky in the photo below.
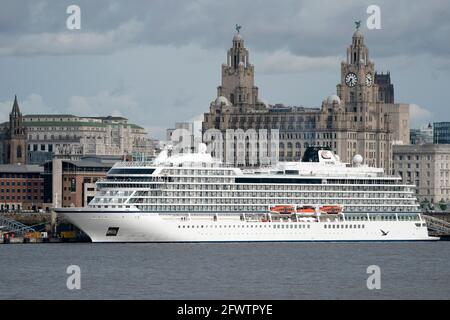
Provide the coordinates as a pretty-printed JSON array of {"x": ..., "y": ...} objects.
[{"x": 158, "y": 62}]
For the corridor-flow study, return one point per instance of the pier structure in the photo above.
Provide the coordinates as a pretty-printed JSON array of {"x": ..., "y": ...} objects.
[
  {"x": 437, "y": 227},
  {"x": 8, "y": 225}
]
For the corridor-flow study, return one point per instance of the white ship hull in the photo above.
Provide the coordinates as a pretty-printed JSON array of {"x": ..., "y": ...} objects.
[{"x": 153, "y": 227}]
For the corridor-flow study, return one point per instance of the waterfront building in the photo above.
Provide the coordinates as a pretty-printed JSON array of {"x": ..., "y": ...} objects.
[
  {"x": 441, "y": 132},
  {"x": 70, "y": 137},
  {"x": 37, "y": 138},
  {"x": 69, "y": 183},
  {"x": 399, "y": 122},
  {"x": 422, "y": 135},
  {"x": 427, "y": 166},
  {"x": 355, "y": 120},
  {"x": 21, "y": 187}
]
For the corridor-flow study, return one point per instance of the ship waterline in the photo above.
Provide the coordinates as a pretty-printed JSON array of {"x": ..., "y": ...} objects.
[
  {"x": 154, "y": 227},
  {"x": 192, "y": 198}
]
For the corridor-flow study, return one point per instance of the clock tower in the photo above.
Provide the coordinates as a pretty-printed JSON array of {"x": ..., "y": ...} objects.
[
  {"x": 370, "y": 132},
  {"x": 357, "y": 85}
]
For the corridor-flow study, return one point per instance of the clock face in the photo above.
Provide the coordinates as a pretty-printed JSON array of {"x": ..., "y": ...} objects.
[
  {"x": 351, "y": 79},
  {"x": 369, "y": 80}
]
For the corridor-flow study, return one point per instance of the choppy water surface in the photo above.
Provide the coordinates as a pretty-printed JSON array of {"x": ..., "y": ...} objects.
[{"x": 410, "y": 270}]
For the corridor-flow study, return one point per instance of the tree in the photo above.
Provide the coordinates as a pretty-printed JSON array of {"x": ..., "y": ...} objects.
[
  {"x": 443, "y": 205},
  {"x": 425, "y": 204}
]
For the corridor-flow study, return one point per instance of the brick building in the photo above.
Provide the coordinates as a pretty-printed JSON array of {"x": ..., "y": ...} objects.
[
  {"x": 71, "y": 183},
  {"x": 21, "y": 187}
]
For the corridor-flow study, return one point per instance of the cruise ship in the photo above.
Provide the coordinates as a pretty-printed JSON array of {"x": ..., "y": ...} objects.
[{"x": 195, "y": 198}]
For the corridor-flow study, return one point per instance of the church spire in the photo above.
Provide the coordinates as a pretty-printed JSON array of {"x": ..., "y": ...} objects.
[
  {"x": 15, "y": 109},
  {"x": 15, "y": 119},
  {"x": 15, "y": 143}
]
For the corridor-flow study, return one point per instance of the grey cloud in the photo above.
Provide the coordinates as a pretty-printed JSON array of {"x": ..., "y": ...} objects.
[{"x": 305, "y": 28}]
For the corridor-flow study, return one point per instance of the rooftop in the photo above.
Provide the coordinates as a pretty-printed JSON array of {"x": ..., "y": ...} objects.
[
  {"x": 20, "y": 168},
  {"x": 421, "y": 148}
]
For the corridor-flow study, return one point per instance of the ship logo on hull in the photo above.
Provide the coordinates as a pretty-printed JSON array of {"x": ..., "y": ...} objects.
[{"x": 112, "y": 231}]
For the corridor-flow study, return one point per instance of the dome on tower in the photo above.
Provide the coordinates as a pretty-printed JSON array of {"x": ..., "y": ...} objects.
[
  {"x": 357, "y": 34},
  {"x": 222, "y": 100},
  {"x": 333, "y": 98},
  {"x": 237, "y": 37}
]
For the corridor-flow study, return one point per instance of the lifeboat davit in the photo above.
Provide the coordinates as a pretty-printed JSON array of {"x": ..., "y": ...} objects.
[
  {"x": 331, "y": 209},
  {"x": 283, "y": 209}
]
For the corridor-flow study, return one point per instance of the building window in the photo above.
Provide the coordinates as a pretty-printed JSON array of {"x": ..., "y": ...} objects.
[{"x": 73, "y": 185}]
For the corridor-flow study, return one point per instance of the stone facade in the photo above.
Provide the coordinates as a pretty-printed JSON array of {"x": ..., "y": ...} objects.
[
  {"x": 428, "y": 167},
  {"x": 14, "y": 143},
  {"x": 354, "y": 121},
  {"x": 70, "y": 137},
  {"x": 400, "y": 122},
  {"x": 35, "y": 139}
]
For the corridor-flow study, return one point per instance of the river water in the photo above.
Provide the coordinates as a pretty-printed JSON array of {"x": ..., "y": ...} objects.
[{"x": 408, "y": 270}]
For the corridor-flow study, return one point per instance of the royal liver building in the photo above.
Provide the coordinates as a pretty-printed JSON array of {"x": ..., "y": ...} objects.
[{"x": 356, "y": 120}]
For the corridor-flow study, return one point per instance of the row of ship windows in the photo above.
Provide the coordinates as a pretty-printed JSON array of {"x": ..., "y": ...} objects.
[
  {"x": 274, "y": 226},
  {"x": 270, "y": 187},
  {"x": 253, "y": 193},
  {"x": 278, "y": 180},
  {"x": 241, "y": 226},
  {"x": 344, "y": 226},
  {"x": 277, "y": 195},
  {"x": 196, "y": 172},
  {"x": 204, "y": 180},
  {"x": 381, "y": 217},
  {"x": 225, "y": 187},
  {"x": 231, "y": 201},
  {"x": 249, "y": 208}
]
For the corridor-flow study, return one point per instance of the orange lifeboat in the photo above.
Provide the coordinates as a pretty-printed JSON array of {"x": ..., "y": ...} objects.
[
  {"x": 283, "y": 209},
  {"x": 306, "y": 210},
  {"x": 331, "y": 209}
]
